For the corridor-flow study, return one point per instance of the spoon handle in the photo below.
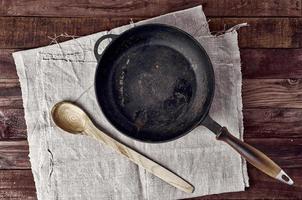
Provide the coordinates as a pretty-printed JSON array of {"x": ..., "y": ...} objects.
[{"x": 139, "y": 159}]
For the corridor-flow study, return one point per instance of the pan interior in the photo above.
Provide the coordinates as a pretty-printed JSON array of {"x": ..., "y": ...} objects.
[
  {"x": 154, "y": 86},
  {"x": 147, "y": 87}
]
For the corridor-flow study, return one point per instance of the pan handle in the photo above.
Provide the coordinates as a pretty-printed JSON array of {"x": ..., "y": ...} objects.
[
  {"x": 98, "y": 42},
  {"x": 254, "y": 156},
  {"x": 251, "y": 154}
]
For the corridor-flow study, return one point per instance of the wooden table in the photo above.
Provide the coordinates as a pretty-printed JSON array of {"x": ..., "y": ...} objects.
[{"x": 271, "y": 65}]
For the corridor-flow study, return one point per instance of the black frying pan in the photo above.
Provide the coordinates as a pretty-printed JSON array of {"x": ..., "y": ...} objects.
[{"x": 155, "y": 83}]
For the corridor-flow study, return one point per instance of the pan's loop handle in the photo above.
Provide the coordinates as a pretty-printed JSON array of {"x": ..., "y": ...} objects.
[
  {"x": 254, "y": 156},
  {"x": 98, "y": 42}
]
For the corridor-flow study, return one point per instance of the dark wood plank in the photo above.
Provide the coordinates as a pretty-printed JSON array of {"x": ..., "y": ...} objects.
[
  {"x": 287, "y": 155},
  {"x": 136, "y": 8},
  {"x": 256, "y": 63},
  {"x": 264, "y": 32},
  {"x": 12, "y": 124},
  {"x": 7, "y": 65},
  {"x": 14, "y": 155},
  {"x": 257, "y": 93},
  {"x": 271, "y": 63},
  {"x": 263, "y": 127},
  {"x": 285, "y": 151},
  {"x": 277, "y": 93},
  {"x": 283, "y": 130},
  {"x": 29, "y": 32},
  {"x": 273, "y": 123},
  {"x": 10, "y": 93},
  {"x": 17, "y": 184},
  {"x": 264, "y": 187},
  {"x": 258, "y": 123}
]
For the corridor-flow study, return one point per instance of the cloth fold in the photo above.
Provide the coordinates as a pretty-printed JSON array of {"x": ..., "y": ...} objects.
[{"x": 67, "y": 166}]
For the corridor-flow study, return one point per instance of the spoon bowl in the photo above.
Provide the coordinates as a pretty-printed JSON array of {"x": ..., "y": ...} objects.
[{"x": 69, "y": 117}]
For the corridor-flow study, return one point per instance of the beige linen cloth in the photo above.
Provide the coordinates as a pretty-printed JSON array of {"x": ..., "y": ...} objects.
[{"x": 67, "y": 166}]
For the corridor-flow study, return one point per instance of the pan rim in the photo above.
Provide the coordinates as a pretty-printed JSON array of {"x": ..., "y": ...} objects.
[{"x": 208, "y": 100}]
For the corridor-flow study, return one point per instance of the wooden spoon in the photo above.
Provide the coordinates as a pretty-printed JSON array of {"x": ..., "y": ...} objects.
[{"x": 73, "y": 119}]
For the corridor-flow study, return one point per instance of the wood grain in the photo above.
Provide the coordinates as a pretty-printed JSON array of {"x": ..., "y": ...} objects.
[
  {"x": 263, "y": 187},
  {"x": 278, "y": 93},
  {"x": 29, "y": 32},
  {"x": 148, "y": 8},
  {"x": 273, "y": 123},
  {"x": 288, "y": 156},
  {"x": 258, "y": 123},
  {"x": 14, "y": 155},
  {"x": 7, "y": 65},
  {"x": 17, "y": 184},
  {"x": 12, "y": 124},
  {"x": 271, "y": 63},
  {"x": 264, "y": 32},
  {"x": 272, "y": 114},
  {"x": 256, "y": 63},
  {"x": 288, "y": 153},
  {"x": 10, "y": 93},
  {"x": 264, "y": 93}
]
